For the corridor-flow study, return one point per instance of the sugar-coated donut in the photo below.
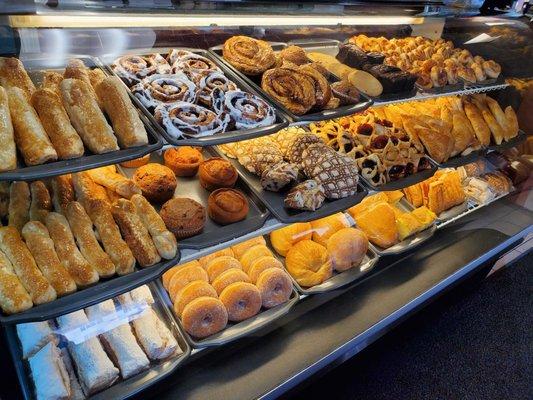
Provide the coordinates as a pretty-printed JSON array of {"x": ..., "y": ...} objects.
[
  {"x": 240, "y": 248},
  {"x": 185, "y": 275},
  {"x": 242, "y": 301},
  {"x": 252, "y": 254},
  {"x": 204, "y": 316},
  {"x": 224, "y": 252},
  {"x": 275, "y": 287},
  {"x": 190, "y": 292},
  {"x": 228, "y": 277},
  {"x": 261, "y": 264},
  {"x": 167, "y": 276},
  {"x": 221, "y": 264}
]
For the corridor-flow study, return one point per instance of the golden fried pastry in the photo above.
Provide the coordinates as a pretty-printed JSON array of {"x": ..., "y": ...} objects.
[
  {"x": 262, "y": 264},
  {"x": 192, "y": 291},
  {"x": 167, "y": 276},
  {"x": 252, "y": 254},
  {"x": 309, "y": 263},
  {"x": 248, "y": 55},
  {"x": 240, "y": 248},
  {"x": 275, "y": 287},
  {"x": 184, "y": 276},
  {"x": 220, "y": 253},
  {"x": 221, "y": 264},
  {"x": 379, "y": 225},
  {"x": 347, "y": 248},
  {"x": 204, "y": 316},
  {"x": 407, "y": 225},
  {"x": 425, "y": 217},
  {"x": 368, "y": 201},
  {"x": 228, "y": 277},
  {"x": 283, "y": 239},
  {"x": 323, "y": 228},
  {"x": 242, "y": 301}
]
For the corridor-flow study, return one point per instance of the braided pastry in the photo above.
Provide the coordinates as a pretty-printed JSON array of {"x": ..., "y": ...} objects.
[
  {"x": 164, "y": 89},
  {"x": 132, "y": 69},
  {"x": 248, "y": 55}
]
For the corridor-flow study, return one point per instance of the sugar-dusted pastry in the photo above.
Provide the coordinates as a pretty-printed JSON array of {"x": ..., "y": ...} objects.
[
  {"x": 242, "y": 301},
  {"x": 262, "y": 264},
  {"x": 13, "y": 296},
  {"x": 226, "y": 206},
  {"x": 49, "y": 375},
  {"x": 252, "y": 254},
  {"x": 184, "y": 275},
  {"x": 379, "y": 225},
  {"x": 14, "y": 75},
  {"x": 309, "y": 263},
  {"x": 275, "y": 287},
  {"x": 33, "y": 336},
  {"x": 156, "y": 182},
  {"x": 325, "y": 227},
  {"x": 19, "y": 204},
  {"x": 228, "y": 277},
  {"x": 41, "y": 204},
  {"x": 204, "y": 316},
  {"x": 108, "y": 177},
  {"x": 192, "y": 291},
  {"x": 51, "y": 81},
  {"x": 240, "y": 248},
  {"x": 347, "y": 248},
  {"x": 284, "y": 238},
  {"x": 62, "y": 192},
  {"x": 217, "y": 173},
  {"x": 205, "y": 260},
  {"x": 8, "y": 150},
  {"x": 259, "y": 158},
  {"x": 248, "y": 55},
  {"x": 76, "y": 392},
  {"x": 220, "y": 264},
  {"x": 183, "y": 217}
]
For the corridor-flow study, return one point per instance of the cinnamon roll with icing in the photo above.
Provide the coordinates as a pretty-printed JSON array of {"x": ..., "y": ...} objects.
[
  {"x": 132, "y": 69},
  {"x": 211, "y": 80},
  {"x": 165, "y": 89},
  {"x": 248, "y": 111},
  {"x": 193, "y": 62}
]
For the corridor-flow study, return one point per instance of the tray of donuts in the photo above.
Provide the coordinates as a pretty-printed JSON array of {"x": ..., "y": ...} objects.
[
  {"x": 65, "y": 115},
  {"x": 200, "y": 196},
  {"x": 193, "y": 99},
  {"x": 71, "y": 242},
  {"x": 304, "y": 89},
  {"x": 228, "y": 294},
  {"x": 110, "y": 350}
]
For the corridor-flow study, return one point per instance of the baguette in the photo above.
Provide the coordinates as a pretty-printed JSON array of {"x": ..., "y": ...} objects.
[
  {"x": 49, "y": 374},
  {"x": 4, "y": 199},
  {"x": 13, "y": 297},
  {"x": 108, "y": 177},
  {"x": 86, "y": 116},
  {"x": 164, "y": 240},
  {"x": 8, "y": 150},
  {"x": 86, "y": 188},
  {"x": 24, "y": 266},
  {"x": 119, "y": 342},
  {"x": 30, "y": 136},
  {"x": 51, "y": 81},
  {"x": 76, "y": 392},
  {"x": 42, "y": 249},
  {"x": 41, "y": 204},
  {"x": 82, "y": 228},
  {"x": 19, "y": 204},
  {"x": 128, "y": 127},
  {"x": 76, "y": 69},
  {"x": 134, "y": 232},
  {"x": 78, "y": 267},
  {"x": 100, "y": 213},
  {"x": 13, "y": 74},
  {"x": 33, "y": 336},
  {"x": 54, "y": 118},
  {"x": 62, "y": 192}
]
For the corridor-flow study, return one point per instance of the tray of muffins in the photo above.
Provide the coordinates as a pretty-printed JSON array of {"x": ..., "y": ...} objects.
[
  {"x": 228, "y": 294},
  {"x": 192, "y": 99},
  {"x": 199, "y": 196},
  {"x": 67, "y": 115},
  {"x": 296, "y": 175},
  {"x": 324, "y": 254},
  {"x": 304, "y": 89}
]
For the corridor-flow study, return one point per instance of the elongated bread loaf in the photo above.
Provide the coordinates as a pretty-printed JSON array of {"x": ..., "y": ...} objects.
[
  {"x": 49, "y": 374},
  {"x": 42, "y": 249},
  {"x": 13, "y": 74},
  {"x": 19, "y": 204},
  {"x": 78, "y": 267},
  {"x": 56, "y": 123},
  {"x": 33, "y": 336},
  {"x": 76, "y": 69},
  {"x": 82, "y": 228},
  {"x": 128, "y": 127},
  {"x": 62, "y": 192},
  {"x": 86, "y": 188},
  {"x": 134, "y": 232},
  {"x": 8, "y": 150},
  {"x": 96, "y": 76},
  {"x": 30, "y": 136},
  {"x": 86, "y": 117},
  {"x": 51, "y": 81},
  {"x": 24, "y": 266},
  {"x": 108, "y": 177},
  {"x": 164, "y": 240},
  {"x": 13, "y": 297},
  {"x": 481, "y": 128},
  {"x": 41, "y": 204}
]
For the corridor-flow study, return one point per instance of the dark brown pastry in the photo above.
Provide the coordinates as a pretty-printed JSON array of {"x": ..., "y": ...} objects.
[
  {"x": 183, "y": 217},
  {"x": 352, "y": 55},
  {"x": 279, "y": 176},
  {"x": 226, "y": 206},
  {"x": 345, "y": 92},
  {"x": 322, "y": 88},
  {"x": 156, "y": 181},
  {"x": 308, "y": 195},
  {"x": 298, "y": 145},
  {"x": 183, "y": 160},
  {"x": 217, "y": 173}
]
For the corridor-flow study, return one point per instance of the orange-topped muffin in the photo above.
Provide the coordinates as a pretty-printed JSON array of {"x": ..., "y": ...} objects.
[{"x": 184, "y": 160}]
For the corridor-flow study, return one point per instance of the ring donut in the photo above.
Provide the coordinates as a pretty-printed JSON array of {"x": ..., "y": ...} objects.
[
  {"x": 190, "y": 292},
  {"x": 221, "y": 264},
  {"x": 210, "y": 257},
  {"x": 242, "y": 301},
  {"x": 167, "y": 276},
  {"x": 275, "y": 287},
  {"x": 228, "y": 277},
  {"x": 184, "y": 276},
  {"x": 252, "y": 254},
  {"x": 262, "y": 264},
  {"x": 204, "y": 316}
]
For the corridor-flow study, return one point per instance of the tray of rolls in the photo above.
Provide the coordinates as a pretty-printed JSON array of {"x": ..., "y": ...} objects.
[
  {"x": 228, "y": 294},
  {"x": 304, "y": 89},
  {"x": 110, "y": 350},
  {"x": 71, "y": 241},
  {"x": 66, "y": 115},
  {"x": 193, "y": 99}
]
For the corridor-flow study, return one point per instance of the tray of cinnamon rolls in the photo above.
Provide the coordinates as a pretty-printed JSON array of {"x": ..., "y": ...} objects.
[
  {"x": 66, "y": 115},
  {"x": 112, "y": 349},
  {"x": 304, "y": 89},
  {"x": 193, "y": 99}
]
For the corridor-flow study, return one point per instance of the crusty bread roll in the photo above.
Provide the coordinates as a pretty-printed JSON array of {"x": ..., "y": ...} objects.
[
  {"x": 8, "y": 150},
  {"x": 19, "y": 204},
  {"x": 62, "y": 192},
  {"x": 41, "y": 204},
  {"x": 13, "y": 297},
  {"x": 108, "y": 177},
  {"x": 13, "y": 74},
  {"x": 30, "y": 136},
  {"x": 128, "y": 127}
]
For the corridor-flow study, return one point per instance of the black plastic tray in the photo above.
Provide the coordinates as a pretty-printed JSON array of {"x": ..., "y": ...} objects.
[
  {"x": 500, "y": 80},
  {"x": 521, "y": 137},
  {"x": 213, "y": 232},
  {"x": 226, "y": 137},
  {"x": 275, "y": 201},
  {"x": 460, "y": 160},
  {"x": 403, "y": 182},
  {"x": 311, "y": 116},
  {"x": 123, "y": 388},
  {"x": 36, "y": 65},
  {"x": 444, "y": 90},
  {"x": 233, "y": 331}
]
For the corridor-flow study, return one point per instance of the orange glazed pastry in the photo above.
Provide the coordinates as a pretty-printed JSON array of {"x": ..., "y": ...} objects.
[
  {"x": 226, "y": 206},
  {"x": 167, "y": 276},
  {"x": 309, "y": 263},
  {"x": 228, "y": 277},
  {"x": 190, "y": 292},
  {"x": 367, "y": 202},
  {"x": 323, "y": 228},
  {"x": 240, "y": 248},
  {"x": 221, "y": 264},
  {"x": 217, "y": 173},
  {"x": 183, "y": 160},
  {"x": 347, "y": 248},
  {"x": 242, "y": 301},
  {"x": 184, "y": 276},
  {"x": 275, "y": 287},
  {"x": 283, "y": 239},
  {"x": 379, "y": 225},
  {"x": 261, "y": 264},
  {"x": 136, "y": 162},
  {"x": 252, "y": 254},
  {"x": 156, "y": 181},
  {"x": 206, "y": 259},
  {"x": 204, "y": 316}
]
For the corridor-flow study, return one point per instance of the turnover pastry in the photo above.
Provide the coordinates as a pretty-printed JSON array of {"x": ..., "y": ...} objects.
[
  {"x": 379, "y": 225},
  {"x": 309, "y": 263},
  {"x": 284, "y": 238},
  {"x": 248, "y": 55}
]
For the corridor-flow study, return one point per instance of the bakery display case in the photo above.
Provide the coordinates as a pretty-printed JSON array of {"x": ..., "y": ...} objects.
[{"x": 224, "y": 198}]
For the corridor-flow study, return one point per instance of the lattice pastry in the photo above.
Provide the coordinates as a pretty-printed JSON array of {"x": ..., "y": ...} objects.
[
  {"x": 258, "y": 158},
  {"x": 279, "y": 176},
  {"x": 338, "y": 175},
  {"x": 308, "y": 195},
  {"x": 299, "y": 144},
  {"x": 312, "y": 154},
  {"x": 285, "y": 137}
]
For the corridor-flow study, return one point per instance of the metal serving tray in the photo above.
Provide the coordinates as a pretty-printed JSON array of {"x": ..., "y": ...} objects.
[
  {"x": 454, "y": 212},
  {"x": 233, "y": 331},
  {"x": 123, "y": 389},
  {"x": 213, "y": 232},
  {"x": 226, "y": 137},
  {"x": 36, "y": 65},
  {"x": 311, "y": 116}
]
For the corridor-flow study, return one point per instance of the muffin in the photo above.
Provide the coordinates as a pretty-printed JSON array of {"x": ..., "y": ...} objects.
[
  {"x": 183, "y": 217},
  {"x": 184, "y": 160},
  {"x": 156, "y": 181},
  {"x": 217, "y": 173},
  {"x": 226, "y": 206},
  {"x": 136, "y": 162}
]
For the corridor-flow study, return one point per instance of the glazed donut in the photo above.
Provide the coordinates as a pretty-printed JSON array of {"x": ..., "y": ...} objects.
[
  {"x": 183, "y": 276},
  {"x": 492, "y": 68},
  {"x": 262, "y": 264},
  {"x": 228, "y": 251},
  {"x": 228, "y": 277},
  {"x": 252, "y": 254},
  {"x": 438, "y": 76},
  {"x": 133, "y": 69},
  {"x": 204, "y": 316},
  {"x": 167, "y": 276},
  {"x": 478, "y": 72},
  {"x": 221, "y": 264},
  {"x": 275, "y": 287},
  {"x": 161, "y": 89},
  {"x": 242, "y": 301},
  {"x": 190, "y": 292}
]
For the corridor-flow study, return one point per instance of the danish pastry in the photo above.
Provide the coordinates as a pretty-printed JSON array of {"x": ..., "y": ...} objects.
[
  {"x": 284, "y": 238},
  {"x": 309, "y": 263},
  {"x": 379, "y": 225},
  {"x": 275, "y": 287},
  {"x": 204, "y": 316},
  {"x": 242, "y": 301}
]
